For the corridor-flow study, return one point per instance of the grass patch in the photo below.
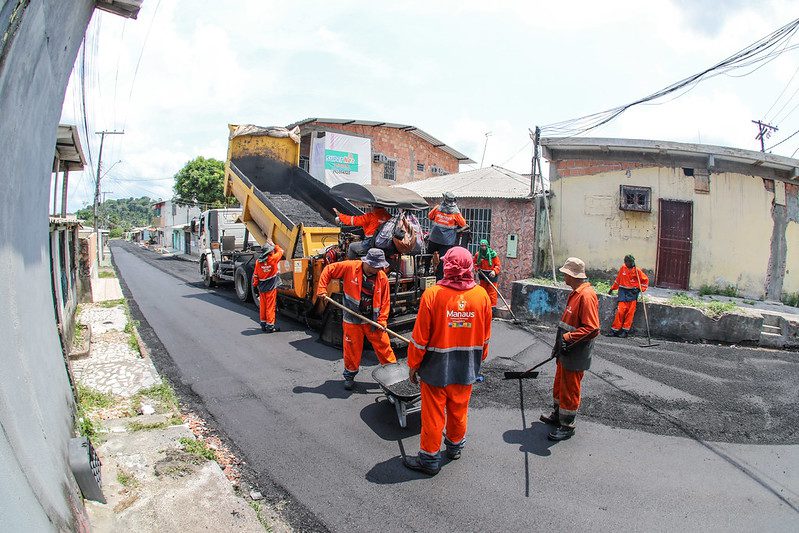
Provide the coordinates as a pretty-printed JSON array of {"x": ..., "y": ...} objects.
[
  {"x": 91, "y": 399},
  {"x": 106, "y": 274},
  {"x": 749, "y": 302},
  {"x": 545, "y": 281},
  {"x": 112, "y": 303},
  {"x": 601, "y": 287},
  {"x": 711, "y": 309},
  {"x": 258, "y": 508},
  {"x": 197, "y": 447},
  {"x": 126, "y": 479},
  {"x": 133, "y": 342},
  {"x": 162, "y": 394},
  {"x": 791, "y": 299},
  {"x": 78, "y": 335},
  {"x": 728, "y": 290},
  {"x": 174, "y": 420}
]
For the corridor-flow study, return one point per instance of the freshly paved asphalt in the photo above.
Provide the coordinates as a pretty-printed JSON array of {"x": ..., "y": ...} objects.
[{"x": 279, "y": 399}]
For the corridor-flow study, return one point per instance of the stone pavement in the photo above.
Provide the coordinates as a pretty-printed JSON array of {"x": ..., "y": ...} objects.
[
  {"x": 104, "y": 289},
  {"x": 113, "y": 366}
]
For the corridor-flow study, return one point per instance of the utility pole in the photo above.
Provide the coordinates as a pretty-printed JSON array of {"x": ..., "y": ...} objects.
[
  {"x": 537, "y": 176},
  {"x": 485, "y": 146},
  {"x": 102, "y": 135},
  {"x": 763, "y": 132}
]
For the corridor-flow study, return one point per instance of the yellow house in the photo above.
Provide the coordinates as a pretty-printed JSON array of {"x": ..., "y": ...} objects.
[{"x": 691, "y": 214}]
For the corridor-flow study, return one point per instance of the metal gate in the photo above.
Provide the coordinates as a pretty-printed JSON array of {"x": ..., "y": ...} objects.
[{"x": 675, "y": 233}]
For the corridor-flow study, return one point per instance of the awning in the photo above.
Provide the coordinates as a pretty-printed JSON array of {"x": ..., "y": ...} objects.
[{"x": 381, "y": 195}]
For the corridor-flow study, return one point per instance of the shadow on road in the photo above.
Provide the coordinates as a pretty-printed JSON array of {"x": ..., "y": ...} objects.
[
  {"x": 333, "y": 389},
  {"x": 531, "y": 440},
  {"x": 315, "y": 348},
  {"x": 381, "y": 417},
  {"x": 391, "y": 472}
]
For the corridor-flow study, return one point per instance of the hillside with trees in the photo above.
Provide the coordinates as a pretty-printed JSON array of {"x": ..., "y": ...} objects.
[{"x": 123, "y": 213}]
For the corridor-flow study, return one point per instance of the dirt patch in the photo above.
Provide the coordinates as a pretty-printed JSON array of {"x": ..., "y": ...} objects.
[{"x": 177, "y": 463}]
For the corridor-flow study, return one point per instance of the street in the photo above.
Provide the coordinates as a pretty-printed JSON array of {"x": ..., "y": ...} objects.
[{"x": 675, "y": 437}]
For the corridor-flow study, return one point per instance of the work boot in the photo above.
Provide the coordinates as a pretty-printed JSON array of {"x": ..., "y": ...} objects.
[
  {"x": 349, "y": 383},
  {"x": 614, "y": 332},
  {"x": 551, "y": 419},
  {"x": 561, "y": 433},
  {"x": 454, "y": 450},
  {"x": 263, "y": 327},
  {"x": 426, "y": 464},
  {"x": 271, "y": 328},
  {"x": 624, "y": 333}
]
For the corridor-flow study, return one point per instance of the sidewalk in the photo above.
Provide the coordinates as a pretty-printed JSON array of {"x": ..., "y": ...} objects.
[{"x": 158, "y": 475}]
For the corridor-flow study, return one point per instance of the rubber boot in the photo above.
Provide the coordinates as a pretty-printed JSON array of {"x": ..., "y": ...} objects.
[
  {"x": 624, "y": 333},
  {"x": 454, "y": 450},
  {"x": 552, "y": 418},
  {"x": 263, "y": 327},
  {"x": 614, "y": 332},
  {"x": 565, "y": 430},
  {"x": 349, "y": 379},
  {"x": 424, "y": 463}
]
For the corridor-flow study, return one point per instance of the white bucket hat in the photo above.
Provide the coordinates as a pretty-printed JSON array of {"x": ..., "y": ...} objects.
[{"x": 575, "y": 267}]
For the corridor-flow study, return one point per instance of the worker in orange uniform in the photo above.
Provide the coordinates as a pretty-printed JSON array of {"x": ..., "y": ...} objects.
[
  {"x": 447, "y": 222},
  {"x": 449, "y": 343},
  {"x": 630, "y": 282},
  {"x": 370, "y": 222},
  {"x": 367, "y": 293},
  {"x": 578, "y": 327},
  {"x": 265, "y": 277},
  {"x": 487, "y": 264}
]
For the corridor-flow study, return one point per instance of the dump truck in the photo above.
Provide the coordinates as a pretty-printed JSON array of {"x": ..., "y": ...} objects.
[{"x": 282, "y": 202}]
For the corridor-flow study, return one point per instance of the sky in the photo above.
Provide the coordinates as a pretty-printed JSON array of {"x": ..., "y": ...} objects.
[{"x": 173, "y": 79}]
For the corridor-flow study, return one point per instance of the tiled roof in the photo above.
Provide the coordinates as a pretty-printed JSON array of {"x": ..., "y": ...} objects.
[{"x": 488, "y": 182}]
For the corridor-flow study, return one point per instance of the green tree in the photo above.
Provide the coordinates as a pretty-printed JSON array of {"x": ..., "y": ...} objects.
[
  {"x": 124, "y": 213},
  {"x": 201, "y": 181}
]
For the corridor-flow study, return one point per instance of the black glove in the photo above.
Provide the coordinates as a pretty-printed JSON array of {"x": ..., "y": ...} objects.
[{"x": 610, "y": 291}]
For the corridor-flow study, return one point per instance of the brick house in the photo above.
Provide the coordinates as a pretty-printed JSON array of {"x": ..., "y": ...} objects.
[
  {"x": 691, "y": 214},
  {"x": 400, "y": 153},
  {"x": 498, "y": 206}
]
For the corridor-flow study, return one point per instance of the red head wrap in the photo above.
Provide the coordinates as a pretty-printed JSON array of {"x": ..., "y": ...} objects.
[{"x": 458, "y": 269}]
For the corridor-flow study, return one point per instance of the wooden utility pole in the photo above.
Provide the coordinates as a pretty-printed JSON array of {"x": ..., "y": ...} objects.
[
  {"x": 764, "y": 131},
  {"x": 102, "y": 135},
  {"x": 538, "y": 177}
]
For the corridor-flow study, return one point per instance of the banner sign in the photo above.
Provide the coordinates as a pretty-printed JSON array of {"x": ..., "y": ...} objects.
[{"x": 338, "y": 158}]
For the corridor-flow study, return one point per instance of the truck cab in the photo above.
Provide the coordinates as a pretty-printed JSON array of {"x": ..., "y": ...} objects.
[{"x": 226, "y": 252}]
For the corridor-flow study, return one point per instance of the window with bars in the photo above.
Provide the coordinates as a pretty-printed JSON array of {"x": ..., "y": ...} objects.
[
  {"x": 390, "y": 170},
  {"x": 479, "y": 220},
  {"x": 635, "y": 198},
  {"x": 305, "y": 163}
]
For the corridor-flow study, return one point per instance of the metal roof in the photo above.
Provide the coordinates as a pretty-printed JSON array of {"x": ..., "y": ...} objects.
[
  {"x": 715, "y": 158},
  {"x": 488, "y": 182},
  {"x": 123, "y": 8},
  {"x": 374, "y": 123},
  {"x": 67, "y": 145}
]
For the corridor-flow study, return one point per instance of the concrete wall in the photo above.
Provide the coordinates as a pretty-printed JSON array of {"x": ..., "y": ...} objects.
[
  {"x": 37, "y": 491},
  {"x": 405, "y": 147},
  {"x": 541, "y": 303},
  {"x": 732, "y": 225}
]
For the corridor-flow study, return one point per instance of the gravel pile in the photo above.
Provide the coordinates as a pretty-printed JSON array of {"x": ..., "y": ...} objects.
[{"x": 297, "y": 211}]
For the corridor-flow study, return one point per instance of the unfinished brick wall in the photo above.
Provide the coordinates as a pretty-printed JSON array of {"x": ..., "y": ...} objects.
[
  {"x": 406, "y": 148},
  {"x": 509, "y": 216},
  {"x": 588, "y": 167}
]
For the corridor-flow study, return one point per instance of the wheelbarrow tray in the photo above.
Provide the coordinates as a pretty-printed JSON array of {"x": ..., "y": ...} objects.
[{"x": 405, "y": 396}]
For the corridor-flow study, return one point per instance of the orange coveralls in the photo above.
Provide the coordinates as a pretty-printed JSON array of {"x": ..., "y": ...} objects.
[
  {"x": 581, "y": 320},
  {"x": 627, "y": 284},
  {"x": 264, "y": 277},
  {"x": 351, "y": 274},
  {"x": 370, "y": 221},
  {"x": 444, "y": 227},
  {"x": 485, "y": 267},
  {"x": 449, "y": 342}
]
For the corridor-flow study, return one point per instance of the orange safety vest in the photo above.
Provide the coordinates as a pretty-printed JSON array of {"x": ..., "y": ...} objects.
[
  {"x": 370, "y": 221},
  {"x": 627, "y": 283},
  {"x": 485, "y": 266},
  {"x": 264, "y": 276},
  {"x": 351, "y": 273},
  {"x": 581, "y": 317},
  {"x": 450, "y": 338},
  {"x": 444, "y": 226}
]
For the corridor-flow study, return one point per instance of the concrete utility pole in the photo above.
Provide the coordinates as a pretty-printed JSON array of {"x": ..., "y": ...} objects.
[
  {"x": 763, "y": 132},
  {"x": 485, "y": 146},
  {"x": 102, "y": 135}
]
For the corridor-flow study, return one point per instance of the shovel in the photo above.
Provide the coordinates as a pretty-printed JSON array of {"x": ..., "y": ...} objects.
[
  {"x": 515, "y": 320},
  {"x": 372, "y": 322},
  {"x": 527, "y": 374},
  {"x": 649, "y": 343}
]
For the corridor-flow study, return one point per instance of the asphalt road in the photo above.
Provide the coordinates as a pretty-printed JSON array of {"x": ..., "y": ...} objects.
[{"x": 664, "y": 442}]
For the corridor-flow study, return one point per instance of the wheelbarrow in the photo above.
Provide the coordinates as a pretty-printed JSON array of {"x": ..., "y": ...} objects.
[{"x": 400, "y": 392}]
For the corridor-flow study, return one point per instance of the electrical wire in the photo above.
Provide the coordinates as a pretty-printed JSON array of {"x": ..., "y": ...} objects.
[
  {"x": 782, "y": 141},
  {"x": 765, "y": 117},
  {"x": 138, "y": 63},
  {"x": 760, "y": 52}
]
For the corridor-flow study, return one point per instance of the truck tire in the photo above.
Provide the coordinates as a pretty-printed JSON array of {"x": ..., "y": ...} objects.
[
  {"x": 208, "y": 280},
  {"x": 242, "y": 283}
]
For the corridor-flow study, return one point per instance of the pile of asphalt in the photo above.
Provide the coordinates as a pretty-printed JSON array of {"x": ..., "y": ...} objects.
[
  {"x": 297, "y": 211},
  {"x": 731, "y": 393}
]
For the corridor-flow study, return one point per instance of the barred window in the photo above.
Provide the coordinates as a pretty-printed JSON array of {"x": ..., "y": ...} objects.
[
  {"x": 635, "y": 198},
  {"x": 390, "y": 170},
  {"x": 420, "y": 167}
]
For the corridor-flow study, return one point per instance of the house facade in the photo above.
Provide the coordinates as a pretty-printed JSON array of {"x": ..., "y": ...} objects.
[
  {"x": 172, "y": 221},
  {"x": 399, "y": 153},
  {"x": 498, "y": 206},
  {"x": 691, "y": 214}
]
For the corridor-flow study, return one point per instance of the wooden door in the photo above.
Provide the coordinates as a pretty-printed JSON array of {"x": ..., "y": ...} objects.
[{"x": 675, "y": 233}]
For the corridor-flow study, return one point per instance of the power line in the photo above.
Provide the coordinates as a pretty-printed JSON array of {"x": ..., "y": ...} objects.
[
  {"x": 138, "y": 63},
  {"x": 764, "y": 49},
  {"x": 782, "y": 141},
  {"x": 765, "y": 117}
]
